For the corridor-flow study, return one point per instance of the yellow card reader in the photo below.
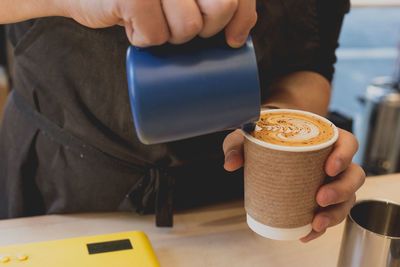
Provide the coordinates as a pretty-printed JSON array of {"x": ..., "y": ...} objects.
[{"x": 131, "y": 249}]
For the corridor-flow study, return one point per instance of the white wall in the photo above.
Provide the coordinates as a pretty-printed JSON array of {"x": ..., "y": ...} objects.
[{"x": 375, "y": 2}]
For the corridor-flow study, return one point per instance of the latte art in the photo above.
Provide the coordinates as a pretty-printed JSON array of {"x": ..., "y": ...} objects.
[{"x": 292, "y": 129}]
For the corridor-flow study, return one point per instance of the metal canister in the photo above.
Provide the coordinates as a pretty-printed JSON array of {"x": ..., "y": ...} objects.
[
  {"x": 371, "y": 236},
  {"x": 377, "y": 128}
]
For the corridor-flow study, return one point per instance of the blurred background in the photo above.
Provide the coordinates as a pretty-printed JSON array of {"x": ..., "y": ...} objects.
[
  {"x": 361, "y": 102},
  {"x": 369, "y": 44},
  {"x": 365, "y": 98}
]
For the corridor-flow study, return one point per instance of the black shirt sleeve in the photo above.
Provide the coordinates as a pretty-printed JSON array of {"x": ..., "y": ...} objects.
[
  {"x": 330, "y": 17},
  {"x": 295, "y": 35}
]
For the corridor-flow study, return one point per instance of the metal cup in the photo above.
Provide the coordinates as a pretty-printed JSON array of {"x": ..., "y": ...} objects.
[{"x": 371, "y": 236}]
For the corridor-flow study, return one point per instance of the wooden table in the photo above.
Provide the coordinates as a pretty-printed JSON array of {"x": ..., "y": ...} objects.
[{"x": 209, "y": 236}]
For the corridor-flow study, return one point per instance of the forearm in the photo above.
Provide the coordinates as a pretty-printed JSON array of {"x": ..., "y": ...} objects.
[
  {"x": 19, "y": 10},
  {"x": 304, "y": 90}
]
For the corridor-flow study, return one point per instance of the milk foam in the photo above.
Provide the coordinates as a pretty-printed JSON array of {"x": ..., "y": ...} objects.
[
  {"x": 292, "y": 129},
  {"x": 299, "y": 130}
]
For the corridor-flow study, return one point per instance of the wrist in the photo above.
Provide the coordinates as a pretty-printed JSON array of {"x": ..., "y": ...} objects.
[
  {"x": 31, "y": 9},
  {"x": 302, "y": 90},
  {"x": 12, "y": 11},
  {"x": 55, "y": 8}
]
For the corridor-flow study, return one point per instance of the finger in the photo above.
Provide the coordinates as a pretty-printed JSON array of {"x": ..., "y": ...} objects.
[
  {"x": 332, "y": 215},
  {"x": 311, "y": 236},
  {"x": 121, "y": 23},
  {"x": 342, "y": 188},
  {"x": 342, "y": 154},
  {"x": 233, "y": 150},
  {"x": 184, "y": 19},
  {"x": 216, "y": 15},
  {"x": 141, "y": 30},
  {"x": 238, "y": 29},
  {"x": 129, "y": 33}
]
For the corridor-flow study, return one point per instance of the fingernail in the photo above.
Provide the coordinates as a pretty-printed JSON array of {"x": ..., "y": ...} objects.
[
  {"x": 238, "y": 41},
  {"x": 324, "y": 223},
  {"x": 231, "y": 154},
  {"x": 330, "y": 197},
  {"x": 241, "y": 39}
]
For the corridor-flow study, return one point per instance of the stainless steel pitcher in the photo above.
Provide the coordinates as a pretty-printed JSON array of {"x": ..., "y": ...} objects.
[{"x": 377, "y": 128}]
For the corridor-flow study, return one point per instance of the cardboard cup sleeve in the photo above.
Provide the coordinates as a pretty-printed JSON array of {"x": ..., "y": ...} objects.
[{"x": 280, "y": 189}]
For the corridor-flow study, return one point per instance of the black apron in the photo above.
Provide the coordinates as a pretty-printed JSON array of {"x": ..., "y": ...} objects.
[{"x": 67, "y": 139}]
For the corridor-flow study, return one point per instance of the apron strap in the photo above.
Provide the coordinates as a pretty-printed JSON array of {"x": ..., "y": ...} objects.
[
  {"x": 60, "y": 135},
  {"x": 154, "y": 193},
  {"x": 164, "y": 197},
  {"x": 155, "y": 190}
]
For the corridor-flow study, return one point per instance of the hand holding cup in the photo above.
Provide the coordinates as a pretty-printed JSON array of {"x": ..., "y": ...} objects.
[{"x": 335, "y": 198}]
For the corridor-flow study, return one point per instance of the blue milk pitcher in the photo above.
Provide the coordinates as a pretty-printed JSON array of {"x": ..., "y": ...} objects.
[{"x": 183, "y": 91}]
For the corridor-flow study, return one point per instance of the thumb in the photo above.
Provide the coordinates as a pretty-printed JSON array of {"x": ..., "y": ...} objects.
[{"x": 233, "y": 150}]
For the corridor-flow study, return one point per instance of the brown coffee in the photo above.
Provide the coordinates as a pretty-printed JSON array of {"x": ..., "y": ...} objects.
[{"x": 287, "y": 128}]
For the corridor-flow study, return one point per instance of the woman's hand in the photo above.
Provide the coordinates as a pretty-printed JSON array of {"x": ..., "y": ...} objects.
[
  {"x": 335, "y": 198},
  {"x": 154, "y": 22}
]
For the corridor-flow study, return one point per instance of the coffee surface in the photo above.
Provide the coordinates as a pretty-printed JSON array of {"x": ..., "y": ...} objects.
[{"x": 292, "y": 129}]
